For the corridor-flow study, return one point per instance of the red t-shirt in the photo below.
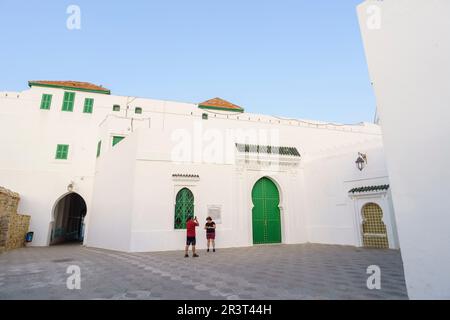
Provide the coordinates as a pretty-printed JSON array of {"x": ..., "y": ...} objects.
[{"x": 190, "y": 227}]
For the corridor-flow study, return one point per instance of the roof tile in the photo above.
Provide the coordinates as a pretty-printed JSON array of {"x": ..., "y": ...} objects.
[
  {"x": 369, "y": 188},
  {"x": 219, "y": 103},
  {"x": 75, "y": 85}
]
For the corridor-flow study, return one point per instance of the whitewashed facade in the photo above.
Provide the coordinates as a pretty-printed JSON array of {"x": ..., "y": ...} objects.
[
  {"x": 407, "y": 45},
  {"x": 130, "y": 189}
]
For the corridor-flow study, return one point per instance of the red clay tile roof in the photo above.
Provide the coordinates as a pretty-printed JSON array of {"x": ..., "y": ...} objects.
[
  {"x": 218, "y": 103},
  {"x": 74, "y": 85}
]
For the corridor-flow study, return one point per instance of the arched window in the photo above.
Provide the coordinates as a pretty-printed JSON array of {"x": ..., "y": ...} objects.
[
  {"x": 184, "y": 207},
  {"x": 373, "y": 227}
]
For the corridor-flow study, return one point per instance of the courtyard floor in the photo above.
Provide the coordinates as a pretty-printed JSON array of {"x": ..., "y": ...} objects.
[{"x": 306, "y": 271}]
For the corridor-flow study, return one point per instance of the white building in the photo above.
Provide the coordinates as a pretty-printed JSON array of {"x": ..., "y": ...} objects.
[
  {"x": 123, "y": 172},
  {"x": 407, "y": 45}
]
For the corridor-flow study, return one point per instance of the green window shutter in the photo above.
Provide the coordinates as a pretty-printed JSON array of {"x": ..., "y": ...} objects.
[
  {"x": 116, "y": 107},
  {"x": 62, "y": 151},
  {"x": 138, "y": 110},
  {"x": 88, "y": 105},
  {"x": 68, "y": 101},
  {"x": 116, "y": 140},
  {"x": 99, "y": 147},
  {"x": 46, "y": 101}
]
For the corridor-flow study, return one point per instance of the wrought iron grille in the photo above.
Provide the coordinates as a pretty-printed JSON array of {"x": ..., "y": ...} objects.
[
  {"x": 374, "y": 230},
  {"x": 184, "y": 206}
]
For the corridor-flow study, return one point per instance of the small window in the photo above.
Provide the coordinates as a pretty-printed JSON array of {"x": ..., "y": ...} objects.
[
  {"x": 116, "y": 140},
  {"x": 138, "y": 110},
  {"x": 68, "y": 101},
  {"x": 88, "y": 105},
  {"x": 62, "y": 151},
  {"x": 99, "y": 147},
  {"x": 205, "y": 116},
  {"x": 46, "y": 101},
  {"x": 116, "y": 107}
]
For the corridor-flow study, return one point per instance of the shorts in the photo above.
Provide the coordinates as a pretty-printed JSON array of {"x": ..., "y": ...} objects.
[
  {"x": 210, "y": 236},
  {"x": 190, "y": 240}
]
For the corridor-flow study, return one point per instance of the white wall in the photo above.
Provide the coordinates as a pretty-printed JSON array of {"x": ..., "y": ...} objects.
[
  {"x": 112, "y": 206},
  {"x": 329, "y": 177},
  {"x": 134, "y": 189},
  {"x": 409, "y": 64},
  {"x": 28, "y": 137},
  {"x": 307, "y": 213}
]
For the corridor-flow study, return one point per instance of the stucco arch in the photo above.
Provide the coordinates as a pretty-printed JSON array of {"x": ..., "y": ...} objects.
[{"x": 71, "y": 205}]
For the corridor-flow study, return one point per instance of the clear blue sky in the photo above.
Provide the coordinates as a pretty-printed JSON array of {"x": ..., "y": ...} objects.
[{"x": 297, "y": 58}]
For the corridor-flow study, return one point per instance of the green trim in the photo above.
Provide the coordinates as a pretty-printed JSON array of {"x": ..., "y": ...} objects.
[
  {"x": 117, "y": 139},
  {"x": 99, "y": 147},
  {"x": 220, "y": 108},
  {"x": 30, "y": 84}
]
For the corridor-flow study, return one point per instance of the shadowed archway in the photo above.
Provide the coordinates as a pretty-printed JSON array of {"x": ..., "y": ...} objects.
[{"x": 68, "y": 214}]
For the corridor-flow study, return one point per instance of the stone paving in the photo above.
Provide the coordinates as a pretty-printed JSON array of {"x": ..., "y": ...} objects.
[{"x": 305, "y": 271}]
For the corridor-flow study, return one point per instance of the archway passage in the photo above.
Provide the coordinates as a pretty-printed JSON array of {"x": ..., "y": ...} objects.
[
  {"x": 266, "y": 212},
  {"x": 184, "y": 207},
  {"x": 373, "y": 227},
  {"x": 69, "y": 213}
]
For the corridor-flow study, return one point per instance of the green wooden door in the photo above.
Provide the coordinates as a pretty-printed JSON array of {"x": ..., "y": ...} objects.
[
  {"x": 184, "y": 206},
  {"x": 265, "y": 212}
]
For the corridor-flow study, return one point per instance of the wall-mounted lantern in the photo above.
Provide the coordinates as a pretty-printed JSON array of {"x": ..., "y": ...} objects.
[
  {"x": 70, "y": 186},
  {"x": 361, "y": 161}
]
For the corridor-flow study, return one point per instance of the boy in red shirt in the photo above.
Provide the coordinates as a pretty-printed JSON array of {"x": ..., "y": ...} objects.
[{"x": 190, "y": 233}]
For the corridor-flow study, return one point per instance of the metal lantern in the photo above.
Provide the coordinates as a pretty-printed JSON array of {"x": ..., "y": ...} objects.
[{"x": 361, "y": 161}]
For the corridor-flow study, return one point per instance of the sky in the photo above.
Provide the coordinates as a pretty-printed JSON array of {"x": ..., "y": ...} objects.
[{"x": 291, "y": 58}]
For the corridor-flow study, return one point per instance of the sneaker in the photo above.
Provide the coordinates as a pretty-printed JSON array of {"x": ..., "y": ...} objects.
[
  {"x": 195, "y": 255},
  {"x": 207, "y": 250},
  {"x": 186, "y": 256},
  {"x": 214, "y": 250}
]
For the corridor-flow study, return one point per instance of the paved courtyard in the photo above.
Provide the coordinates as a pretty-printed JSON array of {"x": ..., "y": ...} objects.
[{"x": 307, "y": 271}]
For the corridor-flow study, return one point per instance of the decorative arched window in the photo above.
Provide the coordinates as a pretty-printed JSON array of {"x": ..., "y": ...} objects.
[
  {"x": 184, "y": 206},
  {"x": 373, "y": 227}
]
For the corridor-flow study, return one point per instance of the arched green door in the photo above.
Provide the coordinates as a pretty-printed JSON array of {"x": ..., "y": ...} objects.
[
  {"x": 184, "y": 206},
  {"x": 265, "y": 212}
]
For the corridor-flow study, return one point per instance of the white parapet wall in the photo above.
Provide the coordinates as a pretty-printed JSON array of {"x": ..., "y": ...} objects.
[{"x": 407, "y": 45}]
